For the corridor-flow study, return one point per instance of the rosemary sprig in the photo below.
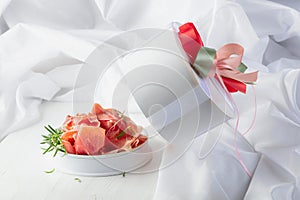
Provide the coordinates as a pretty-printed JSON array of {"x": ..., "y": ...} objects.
[{"x": 53, "y": 139}]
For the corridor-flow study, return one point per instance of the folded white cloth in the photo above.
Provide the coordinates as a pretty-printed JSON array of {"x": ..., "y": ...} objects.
[{"x": 44, "y": 43}]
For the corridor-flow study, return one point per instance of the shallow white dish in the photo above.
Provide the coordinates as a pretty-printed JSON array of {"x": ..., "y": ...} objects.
[{"x": 104, "y": 165}]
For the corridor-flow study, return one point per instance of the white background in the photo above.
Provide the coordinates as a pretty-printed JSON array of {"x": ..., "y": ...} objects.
[{"x": 44, "y": 43}]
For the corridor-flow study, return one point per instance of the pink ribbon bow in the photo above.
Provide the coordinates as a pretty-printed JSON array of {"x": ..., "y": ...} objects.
[
  {"x": 226, "y": 62},
  {"x": 224, "y": 67}
]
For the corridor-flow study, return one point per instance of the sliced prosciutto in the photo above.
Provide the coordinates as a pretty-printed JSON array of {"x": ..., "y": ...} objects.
[
  {"x": 90, "y": 140},
  {"x": 73, "y": 122},
  {"x": 86, "y": 119},
  {"x": 138, "y": 141},
  {"x": 68, "y": 140},
  {"x": 110, "y": 118},
  {"x": 100, "y": 131}
]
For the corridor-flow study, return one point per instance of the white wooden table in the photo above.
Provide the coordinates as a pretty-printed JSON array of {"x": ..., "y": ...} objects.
[{"x": 22, "y": 167}]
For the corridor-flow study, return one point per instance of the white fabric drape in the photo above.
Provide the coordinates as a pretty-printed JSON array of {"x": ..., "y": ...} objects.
[{"x": 44, "y": 43}]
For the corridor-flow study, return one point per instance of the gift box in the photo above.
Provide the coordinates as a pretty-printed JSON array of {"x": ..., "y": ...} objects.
[
  {"x": 147, "y": 71},
  {"x": 146, "y": 74}
]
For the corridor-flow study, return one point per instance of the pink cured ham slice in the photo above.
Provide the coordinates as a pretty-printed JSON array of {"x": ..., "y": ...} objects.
[
  {"x": 68, "y": 140},
  {"x": 90, "y": 140},
  {"x": 138, "y": 141},
  {"x": 97, "y": 109},
  {"x": 86, "y": 119},
  {"x": 72, "y": 122},
  {"x": 101, "y": 131},
  {"x": 68, "y": 123},
  {"x": 107, "y": 117},
  {"x": 111, "y": 117}
]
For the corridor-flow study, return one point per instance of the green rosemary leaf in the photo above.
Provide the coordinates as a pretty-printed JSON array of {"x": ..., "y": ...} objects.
[
  {"x": 47, "y": 150},
  {"x": 50, "y": 171},
  {"x": 52, "y": 148},
  {"x": 49, "y": 130},
  {"x": 44, "y": 136},
  {"x": 78, "y": 179},
  {"x": 61, "y": 150},
  {"x": 121, "y": 134},
  {"x": 124, "y": 174},
  {"x": 54, "y": 130},
  {"x": 56, "y": 150}
]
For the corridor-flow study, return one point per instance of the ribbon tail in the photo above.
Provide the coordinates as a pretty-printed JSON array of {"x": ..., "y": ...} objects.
[
  {"x": 234, "y": 85},
  {"x": 247, "y": 77}
]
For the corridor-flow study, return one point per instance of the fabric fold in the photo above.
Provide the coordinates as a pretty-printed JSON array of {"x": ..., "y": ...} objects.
[{"x": 43, "y": 46}]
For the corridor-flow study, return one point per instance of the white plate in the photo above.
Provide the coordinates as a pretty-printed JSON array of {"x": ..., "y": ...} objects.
[{"x": 104, "y": 165}]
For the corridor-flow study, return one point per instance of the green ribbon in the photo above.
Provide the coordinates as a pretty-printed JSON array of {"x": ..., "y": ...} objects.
[{"x": 204, "y": 61}]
